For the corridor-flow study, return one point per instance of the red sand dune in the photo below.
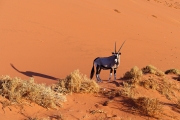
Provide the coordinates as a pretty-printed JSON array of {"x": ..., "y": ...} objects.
[{"x": 49, "y": 39}]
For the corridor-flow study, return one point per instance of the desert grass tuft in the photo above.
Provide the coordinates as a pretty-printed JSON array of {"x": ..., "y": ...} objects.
[
  {"x": 167, "y": 88},
  {"x": 128, "y": 90},
  {"x": 173, "y": 71},
  {"x": 76, "y": 82},
  {"x": 178, "y": 103},
  {"x": 148, "y": 106},
  {"x": 149, "y": 84},
  {"x": 134, "y": 73},
  {"x": 152, "y": 70},
  {"x": 133, "y": 77},
  {"x": 15, "y": 89}
]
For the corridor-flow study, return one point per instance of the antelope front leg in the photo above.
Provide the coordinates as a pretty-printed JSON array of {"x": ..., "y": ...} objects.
[
  {"x": 110, "y": 74},
  {"x": 114, "y": 74}
]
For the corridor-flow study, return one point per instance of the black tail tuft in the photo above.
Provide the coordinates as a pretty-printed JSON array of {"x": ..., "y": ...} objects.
[{"x": 92, "y": 72}]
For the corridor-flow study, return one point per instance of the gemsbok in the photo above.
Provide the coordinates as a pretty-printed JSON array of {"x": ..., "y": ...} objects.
[{"x": 106, "y": 63}]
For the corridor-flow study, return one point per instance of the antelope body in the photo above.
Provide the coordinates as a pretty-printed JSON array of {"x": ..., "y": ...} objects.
[{"x": 106, "y": 63}]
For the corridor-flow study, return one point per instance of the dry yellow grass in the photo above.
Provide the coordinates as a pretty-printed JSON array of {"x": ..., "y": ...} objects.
[
  {"x": 149, "y": 84},
  {"x": 173, "y": 71},
  {"x": 133, "y": 77},
  {"x": 148, "y": 106},
  {"x": 167, "y": 88},
  {"x": 159, "y": 83},
  {"x": 128, "y": 90},
  {"x": 76, "y": 82},
  {"x": 54, "y": 117},
  {"x": 152, "y": 70},
  {"x": 178, "y": 103},
  {"x": 134, "y": 73},
  {"x": 15, "y": 90}
]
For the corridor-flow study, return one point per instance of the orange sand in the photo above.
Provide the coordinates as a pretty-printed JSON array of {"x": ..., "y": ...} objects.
[{"x": 49, "y": 39}]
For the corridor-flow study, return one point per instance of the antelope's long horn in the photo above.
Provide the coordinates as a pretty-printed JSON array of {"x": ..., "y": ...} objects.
[
  {"x": 115, "y": 48},
  {"x": 121, "y": 46}
]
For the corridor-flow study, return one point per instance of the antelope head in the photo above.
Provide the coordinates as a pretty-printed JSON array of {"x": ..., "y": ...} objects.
[{"x": 117, "y": 54}]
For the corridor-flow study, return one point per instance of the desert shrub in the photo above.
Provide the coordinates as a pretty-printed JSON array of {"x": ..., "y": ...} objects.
[
  {"x": 148, "y": 106},
  {"x": 128, "y": 90},
  {"x": 16, "y": 89},
  {"x": 152, "y": 70},
  {"x": 173, "y": 71},
  {"x": 163, "y": 86},
  {"x": 167, "y": 88},
  {"x": 76, "y": 82},
  {"x": 178, "y": 103},
  {"x": 133, "y": 76},
  {"x": 52, "y": 117},
  {"x": 149, "y": 84},
  {"x": 134, "y": 73}
]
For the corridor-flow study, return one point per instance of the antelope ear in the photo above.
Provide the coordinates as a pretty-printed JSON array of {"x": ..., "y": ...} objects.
[
  {"x": 119, "y": 53},
  {"x": 112, "y": 52}
]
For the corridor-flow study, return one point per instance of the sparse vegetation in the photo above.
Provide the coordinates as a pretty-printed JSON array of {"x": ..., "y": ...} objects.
[
  {"x": 149, "y": 84},
  {"x": 53, "y": 117},
  {"x": 76, "y": 82},
  {"x": 167, "y": 88},
  {"x": 161, "y": 84},
  {"x": 152, "y": 70},
  {"x": 133, "y": 78},
  {"x": 173, "y": 71},
  {"x": 178, "y": 103},
  {"x": 96, "y": 111},
  {"x": 128, "y": 90},
  {"x": 156, "y": 80},
  {"x": 148, "y": 106},
  {"x": 36, "y": 118},
  {"x": 134, "y": 73},
  {"x": 15, "y": 89}
]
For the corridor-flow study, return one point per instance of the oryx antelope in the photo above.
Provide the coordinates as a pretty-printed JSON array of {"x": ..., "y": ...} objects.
[{"x": 106, "y": 63}]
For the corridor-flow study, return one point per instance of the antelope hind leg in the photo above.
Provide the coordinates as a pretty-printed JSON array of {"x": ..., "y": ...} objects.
[{"x": 110, "y": 74}]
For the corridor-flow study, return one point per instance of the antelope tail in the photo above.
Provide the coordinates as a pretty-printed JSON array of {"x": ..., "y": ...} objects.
[{"x": 92, "y": 72}]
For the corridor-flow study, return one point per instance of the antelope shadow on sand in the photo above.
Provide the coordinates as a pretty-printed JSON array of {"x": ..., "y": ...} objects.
[{"x": 32, "y": 74}]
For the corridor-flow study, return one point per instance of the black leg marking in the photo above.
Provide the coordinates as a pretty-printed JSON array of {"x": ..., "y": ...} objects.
[
  {"x": 111, "y": 70},
  {"x": 114, "y": 74},
  {"x": 97, "y": 69}
]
